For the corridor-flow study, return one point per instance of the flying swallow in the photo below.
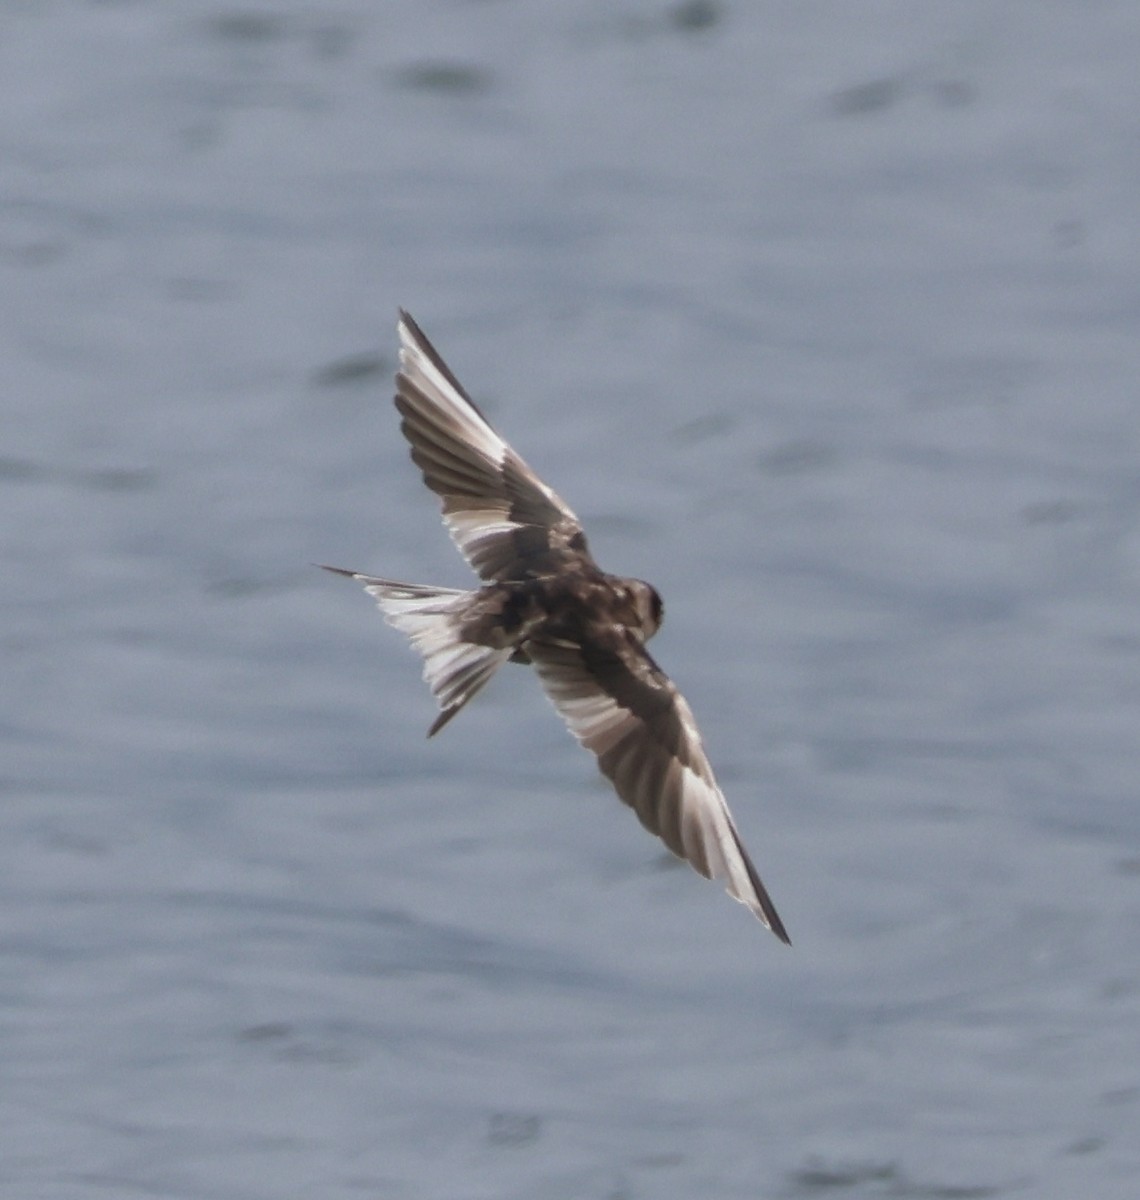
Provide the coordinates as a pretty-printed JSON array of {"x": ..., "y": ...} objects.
[{"x": 544, "y": 601}]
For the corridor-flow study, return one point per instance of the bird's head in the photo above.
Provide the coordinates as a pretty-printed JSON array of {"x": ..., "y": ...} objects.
[{"x": 648, "y": 604}]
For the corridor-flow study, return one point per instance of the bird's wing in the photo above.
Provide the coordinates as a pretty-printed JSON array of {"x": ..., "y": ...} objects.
[
  {"x": 504, "y": 519},
  {"x": 621, "y": 705}
]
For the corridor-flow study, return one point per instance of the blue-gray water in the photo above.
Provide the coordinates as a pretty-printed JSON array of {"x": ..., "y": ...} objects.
[{"x": 825, "y": 318}]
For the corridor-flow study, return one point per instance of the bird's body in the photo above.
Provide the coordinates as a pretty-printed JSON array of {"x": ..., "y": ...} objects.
[{"x": 544, "y": 601}]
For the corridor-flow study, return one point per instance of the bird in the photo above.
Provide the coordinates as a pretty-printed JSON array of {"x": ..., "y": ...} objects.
[{"x": 543, "y": 600}]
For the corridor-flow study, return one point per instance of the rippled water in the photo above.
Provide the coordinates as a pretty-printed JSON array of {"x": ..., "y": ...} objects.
[{"x": 824, "y": 319}]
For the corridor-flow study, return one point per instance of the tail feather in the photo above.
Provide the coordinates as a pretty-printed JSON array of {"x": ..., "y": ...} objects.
[{"x": 454, "y": 669}]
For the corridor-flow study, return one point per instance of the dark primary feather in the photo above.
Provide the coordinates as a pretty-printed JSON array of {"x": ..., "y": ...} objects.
[
  {"x": 624, "y": 708},
  {"x": 505, "y": 520}
]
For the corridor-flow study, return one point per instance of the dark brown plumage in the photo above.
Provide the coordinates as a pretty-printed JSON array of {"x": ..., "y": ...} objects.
[{"x": 545, "y": 601}]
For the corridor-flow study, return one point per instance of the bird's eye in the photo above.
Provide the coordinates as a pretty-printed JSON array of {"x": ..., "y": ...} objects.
[{"x": 656, "y": 607}]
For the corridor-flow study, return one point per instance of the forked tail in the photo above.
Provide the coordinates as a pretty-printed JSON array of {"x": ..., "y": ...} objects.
[{"x": 432, "y": 617}]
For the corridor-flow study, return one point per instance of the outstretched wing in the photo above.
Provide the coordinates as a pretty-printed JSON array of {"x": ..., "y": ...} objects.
[
  {"x": 621, "y": 705},
  {"x": 506, "y": 522}
]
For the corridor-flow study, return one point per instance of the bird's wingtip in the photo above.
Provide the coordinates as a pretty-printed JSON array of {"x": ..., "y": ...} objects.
[
  {"x": 407, "y": 328},
  {"x": 771, "y": 919}
]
